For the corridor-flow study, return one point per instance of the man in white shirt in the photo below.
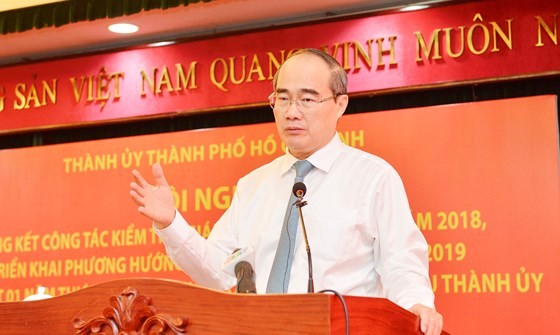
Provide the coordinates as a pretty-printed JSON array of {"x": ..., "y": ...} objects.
[{"x": 364, "y": 240}]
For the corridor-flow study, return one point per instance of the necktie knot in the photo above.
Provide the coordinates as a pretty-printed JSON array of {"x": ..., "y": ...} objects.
[{"x": 302, "y": 169}]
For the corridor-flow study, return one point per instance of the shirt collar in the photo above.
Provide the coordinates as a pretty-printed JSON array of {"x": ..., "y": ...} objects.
[{"x": 322, "y": 159}]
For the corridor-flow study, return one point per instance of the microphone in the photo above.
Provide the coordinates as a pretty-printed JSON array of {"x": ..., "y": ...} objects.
[
  {"x": 299, "y": 189},
  {"x": 245, "y": 278},
  {"x": 239, "y": 264}
]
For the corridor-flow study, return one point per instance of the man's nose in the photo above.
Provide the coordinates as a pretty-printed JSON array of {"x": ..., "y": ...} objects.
[{"x": 293, "y": 110}]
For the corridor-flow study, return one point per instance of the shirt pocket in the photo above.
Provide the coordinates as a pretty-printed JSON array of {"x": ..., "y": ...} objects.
[{"x": 332, "y": 233}]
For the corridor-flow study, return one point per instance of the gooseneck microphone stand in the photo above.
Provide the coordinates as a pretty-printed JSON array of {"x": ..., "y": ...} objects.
[{"x": 299, "y": 191}]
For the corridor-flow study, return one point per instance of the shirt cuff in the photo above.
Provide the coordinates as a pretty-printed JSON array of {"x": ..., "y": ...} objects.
[{"x": 177, "y": 233}]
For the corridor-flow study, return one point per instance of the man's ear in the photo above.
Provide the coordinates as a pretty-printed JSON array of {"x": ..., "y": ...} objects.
[{"x": 342, "y": 102}]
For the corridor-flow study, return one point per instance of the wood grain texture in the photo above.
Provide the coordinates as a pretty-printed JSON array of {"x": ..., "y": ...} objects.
[{"x": 204, "y": 311}]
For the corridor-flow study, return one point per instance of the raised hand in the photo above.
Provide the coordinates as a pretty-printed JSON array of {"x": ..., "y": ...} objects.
[{"x": 154, "y": 201}]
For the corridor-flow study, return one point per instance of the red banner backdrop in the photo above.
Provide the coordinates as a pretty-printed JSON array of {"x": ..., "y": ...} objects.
[
  {"x": 458, "y": 43},
  {"x": 482, "y": 178}
]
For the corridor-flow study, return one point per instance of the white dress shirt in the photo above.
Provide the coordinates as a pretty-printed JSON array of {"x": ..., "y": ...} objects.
[{"x": 361, "y": 233}]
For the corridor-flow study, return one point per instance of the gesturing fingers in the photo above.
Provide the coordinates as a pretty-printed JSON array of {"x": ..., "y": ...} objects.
[
  {"x": 136, "y": 197},
  {"x": 134, "y": 187},
  {"x": 154, "y": 201},
  {"x": 140, "y": 181},
  {"x": 139, "y": 188}
]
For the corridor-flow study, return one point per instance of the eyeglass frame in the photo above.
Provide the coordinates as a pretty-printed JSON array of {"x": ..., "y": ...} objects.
[{"x": 298, "y": 101}]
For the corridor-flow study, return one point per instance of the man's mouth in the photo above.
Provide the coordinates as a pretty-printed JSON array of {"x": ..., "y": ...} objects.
[{"x": 293, "y": 130}]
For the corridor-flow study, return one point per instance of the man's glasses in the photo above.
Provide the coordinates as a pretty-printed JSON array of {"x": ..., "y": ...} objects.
[{"x": 284, "y": 103}]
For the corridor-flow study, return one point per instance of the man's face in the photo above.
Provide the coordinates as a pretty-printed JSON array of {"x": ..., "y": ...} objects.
[{"x": 304, "y": 131}]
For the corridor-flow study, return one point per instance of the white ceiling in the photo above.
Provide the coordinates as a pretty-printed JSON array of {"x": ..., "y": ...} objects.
[{"x": 199, "y": 19}]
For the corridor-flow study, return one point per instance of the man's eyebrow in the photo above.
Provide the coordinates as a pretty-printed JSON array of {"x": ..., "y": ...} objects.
[{"x": 300, "y": 91}]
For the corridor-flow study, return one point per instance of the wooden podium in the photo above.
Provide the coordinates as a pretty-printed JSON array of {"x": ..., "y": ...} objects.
[{"x": 156, "y": 306}]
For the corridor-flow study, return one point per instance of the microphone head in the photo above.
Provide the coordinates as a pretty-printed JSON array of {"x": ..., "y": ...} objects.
[
  {"x": 243, "y": 266},
  {"x": 299, "y": 189},
  {"x": 245, "y": 278}
]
